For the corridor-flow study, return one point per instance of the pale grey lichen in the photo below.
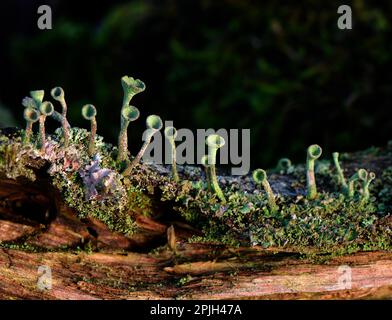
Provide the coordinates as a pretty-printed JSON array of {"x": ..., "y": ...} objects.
[{"x": 99, "y": 183}]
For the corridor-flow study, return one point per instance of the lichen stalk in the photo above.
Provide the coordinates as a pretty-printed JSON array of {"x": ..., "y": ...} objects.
[
  {"x": 206, "y": 164},
  {"x": 58, "y": 94},
  {"x": 141, "y": 152},
  {"x": 215, "y": 142},
  {"x": 91, "y": 146},
  {"x": 46, "y": 109},
  {"x": 215, "y": 184},
  {"x": 123, "y": 141},
  {"x": 42, "y": 134},
  {"x": 89, "y": 112},
  {"x": 28, "y": 132},
  {"x": 314, "y": 152},
  {"x": 361, "y": 174},
  {"x": 341, "y": 178},
  {"x": 131, "y": 87},
  {"x": 128, "y": 114},
  {"x": 365, "y": 186},
  {"x": 260, "y": 177},
  {"x": 30, "y": 115},
  {"x": 171, "y": 133},
  {"x": 154, "y": 124}
]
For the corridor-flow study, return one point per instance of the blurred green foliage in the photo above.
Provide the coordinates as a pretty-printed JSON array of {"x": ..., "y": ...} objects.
[{"x": 281, "y": 68}]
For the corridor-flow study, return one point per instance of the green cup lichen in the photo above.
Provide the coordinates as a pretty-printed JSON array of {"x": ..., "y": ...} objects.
[
  {"x": 58, "y": 94},
  {"x": 131, "y": 87},
  {"x": 171, "y": 134},
  {"x": 314, "y": 152},
  {"x": 365, "y": 185},
  {"x": 31, "y": 116},
  {"x": 361, "y": 174},
  {"x": 206, "y": 164},
  {"x": 284, "y": 165},
  {"x": 260, "y": 177},
  {"x": 46, "y": 109},
  {"x": 154, "y": 124},
  {"x": 328, "y": 222},
  {"x": 341, "y": 178},
  {"x": 89, "y": 112},
  {"x": 128, "y": 114},
  {"x": 38, "y": 96},
  {"x": 215, "y": 142}
]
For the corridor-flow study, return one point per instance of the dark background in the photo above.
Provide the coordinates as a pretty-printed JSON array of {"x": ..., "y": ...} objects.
[{"x": 281, "y": 68}]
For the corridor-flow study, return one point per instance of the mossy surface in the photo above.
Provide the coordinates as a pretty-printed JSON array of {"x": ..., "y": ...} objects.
[{"x": 330, "y": 223}]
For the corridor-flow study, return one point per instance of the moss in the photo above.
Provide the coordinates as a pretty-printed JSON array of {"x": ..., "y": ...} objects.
[
  {"x": 331, "y": 223},
  {"x": 139, "y": 202},
  {"x": 14, "y": 158},
  {"x": 304, "y": 218}
]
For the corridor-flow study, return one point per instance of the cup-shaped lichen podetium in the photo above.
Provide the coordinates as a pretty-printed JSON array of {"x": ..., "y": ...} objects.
[
  {"x": 260, "y": 177},
  {"x": 30, "y": 115},
  {"x": 38, "y": 96},
  {"x": 131, "y": 87},
  {"x": 171, "y": 134},
  {"x": 128, "y": 114},
  {"x": 283, "y": 166},
  {"x": 341, "y": 178},
  {"x": 89, "y": 112},
  {"x": 362, "y": 175},
  {"x": 154, "y": 124},
  {"x": 58, "y": 94},
  {"x": 365, "y": 185},
  {"x": 214, "y": 142},
  {"x": 206, "y": 164},
  {"x": 46, "y": 109},
  {"x": 314, "y": 152}
]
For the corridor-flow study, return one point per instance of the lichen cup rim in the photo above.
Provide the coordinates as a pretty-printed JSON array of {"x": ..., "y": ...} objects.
[
  {"x": 170, "y": 132},
  {"x": 154, "y": 122},
  {"x": 37, "y": 95},
  {"x": 43, "y": 108},
  {"x": 362, "y": 174},
  {"x": 31, "y": 114},
  {"x": 136, "y": 85},
  {"x": 130, "y": 113},
  {"x": 259, "y": 175},
  {"x": 57, "y": 93},
  {"x": 215, "y": 141},
  {"x": 89, "y": 111},
  {"x": 315, "y": 151}
]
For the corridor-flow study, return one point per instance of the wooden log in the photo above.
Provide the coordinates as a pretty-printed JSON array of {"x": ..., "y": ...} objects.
[{"x": 254, "y": 275}]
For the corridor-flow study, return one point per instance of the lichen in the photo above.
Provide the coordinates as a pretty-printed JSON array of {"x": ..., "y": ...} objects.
[{"x": 290, "y": 213}]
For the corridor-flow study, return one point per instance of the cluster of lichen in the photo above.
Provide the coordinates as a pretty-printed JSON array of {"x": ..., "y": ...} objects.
[
  {"x": 303, "y": 220},
  {"x": 106, "y": 182}
]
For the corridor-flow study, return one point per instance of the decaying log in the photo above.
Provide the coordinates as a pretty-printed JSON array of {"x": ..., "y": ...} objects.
[
  {"x": 89, "y": 261},
  {"x": 255, "y": 275}
]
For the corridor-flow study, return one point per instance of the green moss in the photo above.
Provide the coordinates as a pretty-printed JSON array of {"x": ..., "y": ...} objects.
[
  {"x": 14, "y": 158},
  {"x": 235, "y": 214}
]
